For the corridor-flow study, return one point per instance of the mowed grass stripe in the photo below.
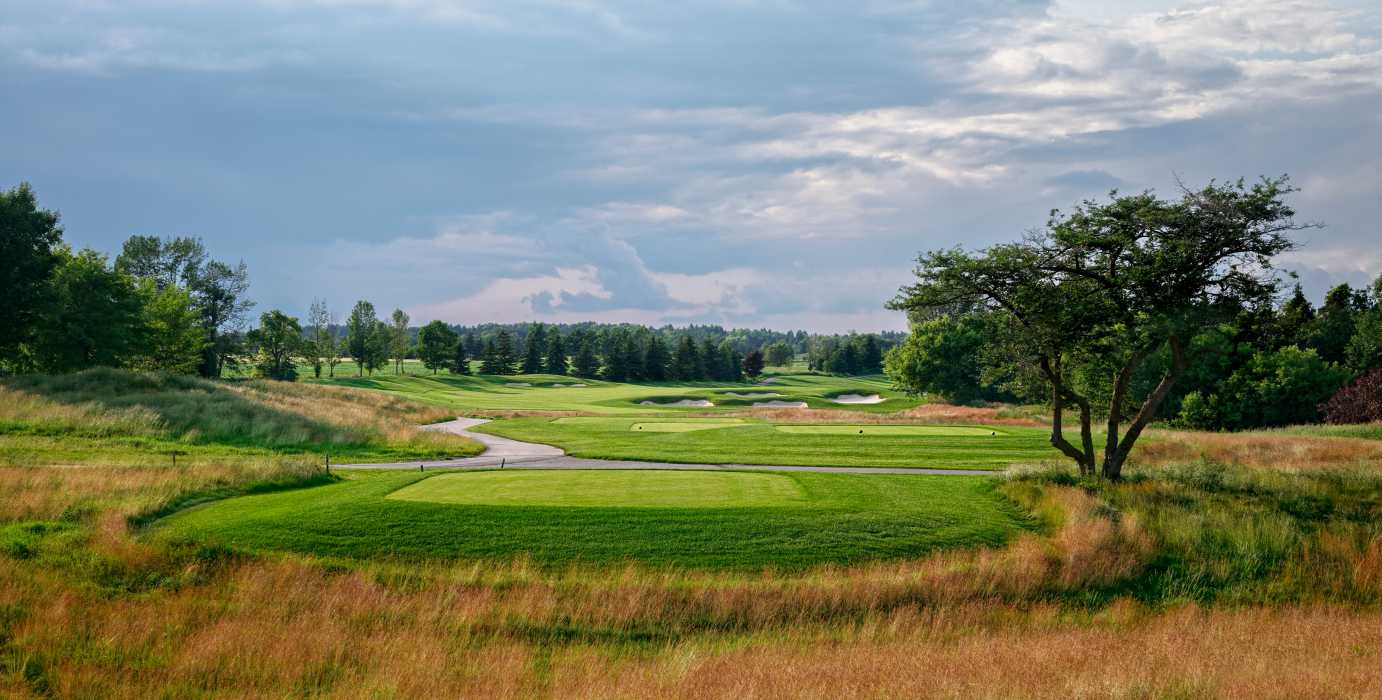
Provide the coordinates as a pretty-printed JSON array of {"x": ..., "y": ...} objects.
[
  {"x": 845, "y": 518},
  {"x": 906, "y": 430},
  {"x": 763, "y": 443},
  {"x": 609, "y": 489}
]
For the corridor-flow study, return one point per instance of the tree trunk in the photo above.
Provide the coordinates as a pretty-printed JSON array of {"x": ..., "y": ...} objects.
[
  {"x": 1113, "y": 462},
  {"x": 1059, "y": 394}
]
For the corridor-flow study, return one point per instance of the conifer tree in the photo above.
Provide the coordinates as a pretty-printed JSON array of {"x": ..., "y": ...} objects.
[
  {"x": 585, "y": 364},
  {"x": 556, "y": 353},
  {"x": 655, "y": 360},
  {"x": 537, "y": 348}
]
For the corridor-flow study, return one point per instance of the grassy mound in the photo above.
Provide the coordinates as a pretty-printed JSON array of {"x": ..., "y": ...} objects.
[
  {"x": 123, "y": 416},
  {"x": 793, "y": 520},
  {"x": 608, "y": 489},
  {"x": 712, "y": 441}
]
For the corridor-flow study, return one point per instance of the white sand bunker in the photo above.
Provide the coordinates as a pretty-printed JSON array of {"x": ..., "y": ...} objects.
[
  {"x": 858, "y": 398},
  {"x": 752, "y": 395},
  {"x": 518, "y": 384},
  {"x": 780, "y": 404},
  {"x": 554, "y": 386},
  {"x": 698, "y": 403},
  {"x": 769, "y": 380}
]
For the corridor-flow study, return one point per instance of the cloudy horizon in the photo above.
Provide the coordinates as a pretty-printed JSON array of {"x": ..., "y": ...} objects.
[{"x": 753, "y": 164}]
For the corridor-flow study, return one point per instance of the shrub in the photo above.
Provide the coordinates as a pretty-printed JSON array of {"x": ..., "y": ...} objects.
[{"x": 1359, "y": 402}]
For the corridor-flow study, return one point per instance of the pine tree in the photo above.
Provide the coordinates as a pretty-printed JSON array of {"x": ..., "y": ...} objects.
[
  {"x": 731, "y": 363},
  {"x": 617, "y": 359},
  {"x": 536, "y": 350},
  {"x": 686, "y": 361},
  {"x": 710, "y": 364},
  {"x": 753, "y": 364},
  {"x": 504, "y": 355},
  {"x": 655, "y": 360},
  {"x": 586, "y": 364},
  {"x": 460, "y": 364},
  {"x": 870, "y": 355},
  {"x": 556, "y": 353}
]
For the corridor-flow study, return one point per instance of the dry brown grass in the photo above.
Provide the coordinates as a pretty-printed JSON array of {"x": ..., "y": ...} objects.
[
  {"x": 1264, "y": 450},
  {"x": 1193, "y": 653}
]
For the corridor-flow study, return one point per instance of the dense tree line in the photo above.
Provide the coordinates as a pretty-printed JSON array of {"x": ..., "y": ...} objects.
[
  {"x": 1139, "y": 309},
  {"x": 160, "y": 305}
]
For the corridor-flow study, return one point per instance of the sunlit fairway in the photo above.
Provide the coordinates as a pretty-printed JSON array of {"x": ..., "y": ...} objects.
[
  {"x": 545, "y": 392},
  {"x": 609, "y": 489},
  {"x": 749, "y": 441},
  {"x": 689, "y": 519}
]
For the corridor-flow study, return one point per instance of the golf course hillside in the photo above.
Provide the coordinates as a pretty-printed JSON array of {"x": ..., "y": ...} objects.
[
  {"x": 758, "y": 441},
  {"x": 710, "y": 520},
  {"x": 557, "y": 393}
]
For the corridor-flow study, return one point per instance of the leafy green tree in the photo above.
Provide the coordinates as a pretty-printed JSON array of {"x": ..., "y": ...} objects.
[
  {"x": 30, "y": 241},
  {"x": 1275, "y": 388},
  {"x": 869, "y": 354},
  {"x": 278, "y": 339},
  {"x": 377, "y": 346},
  {"x": 436, "y": 346},
  {"x": 322, "y": 346},
  {"x": 1364, "y": 350},
  {"x": 656, "y": 361},
  {"x": 779, "y": 354},
  {"x": 1295, "y": 320},
  {"x": 173, "y": 338},
  {"x": 535, "y": 350},
  {"x": 400, "y": 343},
  {"x": 753, "y": 364},
  {"x": 176, "y": 262},
  {"x": 586, "y": 363},
  {"x": 93, "y": 316},
  {"x": 1336, "y": 323},
  {"x": 219, "y": 291},
  {"x": 1110, "y": 284},
  {"x": 941, "y": 356},
  {"x": 556, "y": 353},
  {"x": 359, "y": 326}
]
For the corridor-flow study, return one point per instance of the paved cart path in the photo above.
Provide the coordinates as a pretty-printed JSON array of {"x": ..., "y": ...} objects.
[{"x": 513, "y": 454}]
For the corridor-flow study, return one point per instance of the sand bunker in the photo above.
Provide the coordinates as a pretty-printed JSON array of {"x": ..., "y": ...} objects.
[
  {"x": 858, "y": 398},
  {"x": 769, "y": 380},
  {"x": 554, "y": 386},
  {"x": 752, "y": 395},
  {"x": 518, "y": 384},
  {"x": 698, "y": 403},
  {"x": 780, "y": 404}
]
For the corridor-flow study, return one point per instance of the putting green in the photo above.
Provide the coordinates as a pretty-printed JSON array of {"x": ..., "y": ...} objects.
[
  {"x": 681, "y": 427},
  {"x": 893, "y": 430},
  {"x": 609, "y": 489}
]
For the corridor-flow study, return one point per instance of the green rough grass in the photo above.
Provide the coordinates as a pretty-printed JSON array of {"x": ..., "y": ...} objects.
[
  {"x": 843, "y": 518},
  {"x": 118, "y": 417},
  {"x": 763, "y": 443},
  {"x": 609, "y": 489},
  {"x": 485, "y": 393},
  {"x": 882, "y": 430}
]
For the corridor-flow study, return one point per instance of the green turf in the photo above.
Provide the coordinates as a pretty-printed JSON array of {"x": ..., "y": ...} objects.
[
  {"x": 686, "y": 427},
  {"x": 506, "y": 393},
  {"x": 829, "y": 518},
  {"x": 609, "y": 489},
  {"x": 753, "y": 442},
  {"x": 894, "y": 430}
]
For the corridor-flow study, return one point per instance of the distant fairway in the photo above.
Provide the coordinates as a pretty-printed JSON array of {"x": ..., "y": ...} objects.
[
  {"x": 717, "y": 441},
  {"x": 917, "y": 430},
  {"x": 713, "y": 520},
  {"x": 541, "y": 392},
  {"x": 608, "y": 489}
]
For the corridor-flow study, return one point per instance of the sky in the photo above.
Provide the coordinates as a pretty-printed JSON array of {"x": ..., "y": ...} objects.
[{"x": 753, "y": 163}]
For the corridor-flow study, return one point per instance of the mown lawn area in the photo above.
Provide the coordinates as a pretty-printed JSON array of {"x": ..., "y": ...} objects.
[
  {"x": 754, "y": 442},
  {"x": 547, "y": 392},
  {"x": 745, "y": 521}
]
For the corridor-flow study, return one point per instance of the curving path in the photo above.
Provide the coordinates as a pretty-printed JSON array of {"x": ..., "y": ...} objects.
[{"x": 512, "y": 454}]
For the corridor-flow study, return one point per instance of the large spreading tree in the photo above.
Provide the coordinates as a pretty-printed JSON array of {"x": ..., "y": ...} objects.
[
  {"x": 30, "y": 250},
  {"x": 1098, "y": 291}
]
